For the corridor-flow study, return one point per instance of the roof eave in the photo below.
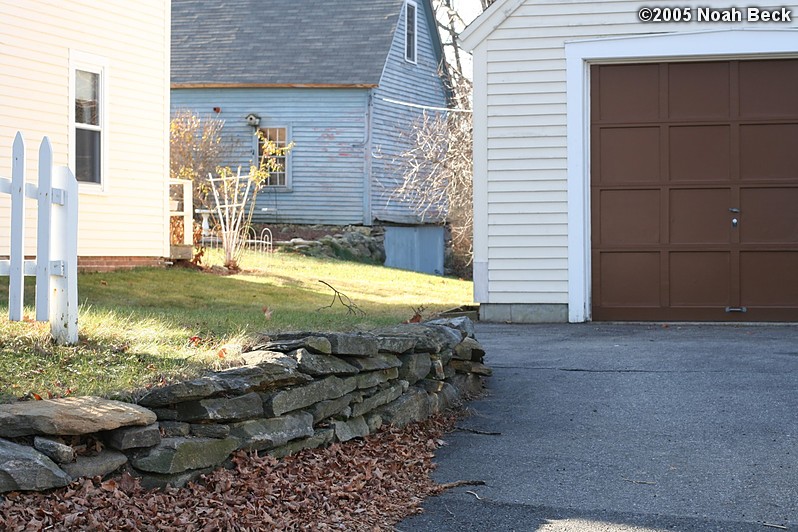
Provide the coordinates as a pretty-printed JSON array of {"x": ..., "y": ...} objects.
[
  {"x": 483, "y": 25},
  {"x": 437, "y": 47},
  {"x": 273, "y": 85}
]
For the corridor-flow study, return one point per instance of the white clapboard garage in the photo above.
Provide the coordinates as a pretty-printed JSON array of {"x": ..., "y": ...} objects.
[{"x": 633, "y": 171}]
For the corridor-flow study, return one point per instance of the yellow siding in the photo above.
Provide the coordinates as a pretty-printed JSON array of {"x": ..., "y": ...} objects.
[
  {"x": 129, "y": 218},
  {"x": 521, "y": 231}
]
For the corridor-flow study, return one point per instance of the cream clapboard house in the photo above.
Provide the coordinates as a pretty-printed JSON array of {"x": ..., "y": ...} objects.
[
  {"x": 94, "y": 77},
  {"x": 631, "y": 167}
]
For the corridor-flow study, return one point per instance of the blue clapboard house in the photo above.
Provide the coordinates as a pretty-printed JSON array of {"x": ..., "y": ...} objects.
[{"x": 342, "y": 80}]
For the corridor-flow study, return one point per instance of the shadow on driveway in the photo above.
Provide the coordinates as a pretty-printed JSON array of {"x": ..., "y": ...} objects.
[{"x": 627, "y": 427}]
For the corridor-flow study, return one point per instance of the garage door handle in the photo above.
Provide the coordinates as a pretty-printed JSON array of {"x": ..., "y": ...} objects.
[
  {"x": 734, "y": 209},
  {"x": 736, "y": 309}
]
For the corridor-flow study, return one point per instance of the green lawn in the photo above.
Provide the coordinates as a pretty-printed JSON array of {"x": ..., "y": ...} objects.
[{"x": 152, "y": 325}]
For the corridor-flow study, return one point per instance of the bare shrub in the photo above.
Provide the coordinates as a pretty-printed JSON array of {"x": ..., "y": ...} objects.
[
  {"x": 437, "y": 171},
  {"x": 196, "y": 149}
]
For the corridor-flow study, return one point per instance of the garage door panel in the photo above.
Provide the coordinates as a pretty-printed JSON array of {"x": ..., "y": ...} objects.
[
  {"x": 630, "y": 279},
  {"x": 694, "y": 191},
  {"x": 698, "y": 91},
  {"x": 769, "y": 278},
  {"x": 629, "y": 217},
  {"x": 769, "y": 216},
  {"x": 700, "y": 153},
  {"x": 700, "y": 216},
  {"x": 769, "y": 151},
  {"x": 768, "y": 89},
  {"x": 629, "y": 93},
  {"x": 629, "y": 155},
  {"x": 700, "y": 279}
]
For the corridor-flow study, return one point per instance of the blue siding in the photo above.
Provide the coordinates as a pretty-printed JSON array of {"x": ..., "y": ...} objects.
[
  {"x": 419, "y": 248},
  {"x": 328, "y": 127},
  {"x": 415, "y": 83}
]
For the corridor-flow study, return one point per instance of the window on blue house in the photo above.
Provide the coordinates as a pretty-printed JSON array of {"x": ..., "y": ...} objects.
[
  {"x": 411, "y": 31},
  {"x": 279, "y": 136}
]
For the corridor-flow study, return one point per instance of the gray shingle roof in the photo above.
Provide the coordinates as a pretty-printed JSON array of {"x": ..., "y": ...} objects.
[{"x": 281, "y": 42}]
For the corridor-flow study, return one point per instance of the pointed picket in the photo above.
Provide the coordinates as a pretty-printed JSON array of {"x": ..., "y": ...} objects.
[
  {"x": 16, "y": 287},
  {"x": 43, "y": 229},
  {"x": 56, "y": 263}
]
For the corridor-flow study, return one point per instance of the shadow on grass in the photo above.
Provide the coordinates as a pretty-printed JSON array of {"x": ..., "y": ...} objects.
[
  {"x": 141, "y": 327},
  {"x": 217, "y": 305},
  {"x": 92, "y": 367}
]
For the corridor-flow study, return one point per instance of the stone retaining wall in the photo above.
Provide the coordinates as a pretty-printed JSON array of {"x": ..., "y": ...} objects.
[
  {"x": 356, "y": 243},
  {"x": 295, "y": 391}
]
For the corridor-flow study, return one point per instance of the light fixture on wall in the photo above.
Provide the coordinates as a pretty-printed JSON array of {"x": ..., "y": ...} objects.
[{"x": 253, "y": 120}]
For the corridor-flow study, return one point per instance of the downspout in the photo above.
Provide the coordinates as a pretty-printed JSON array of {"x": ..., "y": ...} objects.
[{"x": 367, "y": 178}]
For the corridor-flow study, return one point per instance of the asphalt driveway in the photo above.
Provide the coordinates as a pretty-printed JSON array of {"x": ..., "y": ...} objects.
[{"x": 627, "y": 427}]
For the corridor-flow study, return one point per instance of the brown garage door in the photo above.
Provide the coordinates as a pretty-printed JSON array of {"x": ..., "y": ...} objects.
[{"x": 694, "y": 191}]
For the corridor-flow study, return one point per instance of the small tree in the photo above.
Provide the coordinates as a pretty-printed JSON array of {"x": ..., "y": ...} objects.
[{"x": 196, "y": 149}]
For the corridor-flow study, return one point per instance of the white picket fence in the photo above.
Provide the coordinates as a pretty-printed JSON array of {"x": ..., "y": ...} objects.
[{"x": 56, "y": 263}]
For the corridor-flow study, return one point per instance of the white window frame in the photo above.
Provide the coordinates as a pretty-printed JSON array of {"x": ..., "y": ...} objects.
[
  {"x": 694, "y": 46},
  {"x": 288, "y": 163},
  {"x": 414, "y": 59},
  {"x": 97, "y": 65}
]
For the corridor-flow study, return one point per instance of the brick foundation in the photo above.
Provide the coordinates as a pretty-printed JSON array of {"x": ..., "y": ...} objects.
[{"x": 107, "y": 264}]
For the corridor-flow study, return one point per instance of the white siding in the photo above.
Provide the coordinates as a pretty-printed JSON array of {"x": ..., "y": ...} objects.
[
  {"x": 521, "y": 213},
  {"x": 129, "y": 218}
]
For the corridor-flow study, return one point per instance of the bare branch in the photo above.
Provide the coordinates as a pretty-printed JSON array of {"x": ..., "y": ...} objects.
[
  {"x": 351, "y": 306},
  {"x": 196, "y": 150},
  {"x": 436, "y": 178}
]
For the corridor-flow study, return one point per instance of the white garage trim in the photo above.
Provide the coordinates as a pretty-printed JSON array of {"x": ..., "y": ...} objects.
[{"x": 722, "y": 44}]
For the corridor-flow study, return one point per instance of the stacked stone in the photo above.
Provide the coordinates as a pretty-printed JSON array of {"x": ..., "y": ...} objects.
[
  {"x": 361, "y": 244},
  {"x": 295, "y": 391}
]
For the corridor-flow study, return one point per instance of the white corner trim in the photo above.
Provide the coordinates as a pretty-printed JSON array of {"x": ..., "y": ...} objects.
[
  {"x": 693, "y": 46},
  {"x": 480, "y": 178},
  {"x": 481, "y": 294}
]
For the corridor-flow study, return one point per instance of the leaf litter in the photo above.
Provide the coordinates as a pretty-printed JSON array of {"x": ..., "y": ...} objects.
[{"x": 365, "y": 484}]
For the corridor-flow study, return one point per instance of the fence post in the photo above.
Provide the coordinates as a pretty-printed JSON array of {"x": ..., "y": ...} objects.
[
  {"x": 188, "y": 213},
  {"x": 44, "y": 227},
  {"x": 56, "y": 263},
  {"x": 63, "y": 313},
  {"x": 16, "y": 285}
]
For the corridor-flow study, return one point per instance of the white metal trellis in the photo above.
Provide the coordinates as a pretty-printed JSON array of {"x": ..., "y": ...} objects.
[{"x": 231, "y": 194}]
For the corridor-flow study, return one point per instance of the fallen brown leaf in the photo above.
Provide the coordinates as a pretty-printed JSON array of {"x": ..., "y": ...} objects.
[{"x": 361, "y": 485}]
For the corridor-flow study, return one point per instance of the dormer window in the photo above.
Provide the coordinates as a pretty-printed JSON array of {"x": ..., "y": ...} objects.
[{"x": 411, "y": 31}]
